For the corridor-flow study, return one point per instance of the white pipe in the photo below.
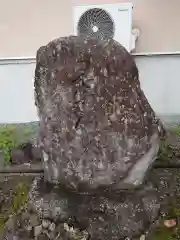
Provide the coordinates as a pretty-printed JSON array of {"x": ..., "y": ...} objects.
[
  {"x": 31, "y": 59},
  {"x": 155, "y": 53}
]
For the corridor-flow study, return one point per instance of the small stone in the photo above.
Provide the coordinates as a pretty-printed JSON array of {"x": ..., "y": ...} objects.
[
  {"x": 143, "y": 237},
  {"x": 27, "y": 164},
  {"x": 85, "y": 235},
  {"x": 45, "y": 223},
  {"x": 5, "y": 179},
  {"x": 17, "y": 156},
  {"x": 29, "y": 228},
  {"x": 52, "y": 227},
  {"x": 66, "y": 227},
  {"x": 170, "y": 223},
  {"x": 71, "y": 229},
  {"x": 37, "y": 230}
]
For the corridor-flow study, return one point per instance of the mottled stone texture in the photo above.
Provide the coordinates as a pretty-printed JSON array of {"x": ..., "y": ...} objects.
[
  {"x": 111, "y": 216},
  {"x": 98, "y": 136},
  {"x": 97, "y": 129}
]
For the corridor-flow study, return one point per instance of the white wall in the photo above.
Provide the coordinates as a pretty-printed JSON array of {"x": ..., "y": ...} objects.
[
  {"x": 160, "y": 80},
  {"x": 16, "y": 92},
  {"x": 159, "y": 76}
]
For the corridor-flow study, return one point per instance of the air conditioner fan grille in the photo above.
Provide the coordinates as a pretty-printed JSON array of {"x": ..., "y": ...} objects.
[{"x": 97, "y": 23}]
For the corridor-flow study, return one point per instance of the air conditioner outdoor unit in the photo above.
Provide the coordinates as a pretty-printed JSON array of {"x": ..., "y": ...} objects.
[{"x": 105, "y": 21}]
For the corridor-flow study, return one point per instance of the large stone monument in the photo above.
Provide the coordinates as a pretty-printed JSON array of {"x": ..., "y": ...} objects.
[{"x": 98, "y": 137}]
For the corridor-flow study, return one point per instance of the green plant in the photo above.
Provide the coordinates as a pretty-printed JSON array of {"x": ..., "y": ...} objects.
[
  {"x": 12, "y": 136},
  {"x": 18, "y": 202},
  {"x": 176, "y": 130},
  {"x": 167, "y": 151},
  {"x": 8, "y": 141},
  {"x": 161, "y": 232}
]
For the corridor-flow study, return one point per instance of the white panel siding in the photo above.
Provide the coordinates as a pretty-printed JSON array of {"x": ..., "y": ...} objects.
[
  {"x": 16, "y": 93},
  {"x": 160, "y": 80}
]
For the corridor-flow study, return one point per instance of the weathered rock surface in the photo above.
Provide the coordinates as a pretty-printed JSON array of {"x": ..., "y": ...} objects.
[
  {"x": 98, "y": 137},
  {"x": 28, "y": 225},
  {"x": 97, "y": 129},
  {"x": 104, "y": 215}
]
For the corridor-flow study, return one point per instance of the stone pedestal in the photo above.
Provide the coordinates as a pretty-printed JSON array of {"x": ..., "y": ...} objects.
[{"x": 106, "y": 215}]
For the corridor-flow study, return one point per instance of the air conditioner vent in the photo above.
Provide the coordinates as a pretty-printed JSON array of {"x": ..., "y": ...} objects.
[
  {"x": 97, "y": 23},
  {"x": 104, "y": 21}
]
